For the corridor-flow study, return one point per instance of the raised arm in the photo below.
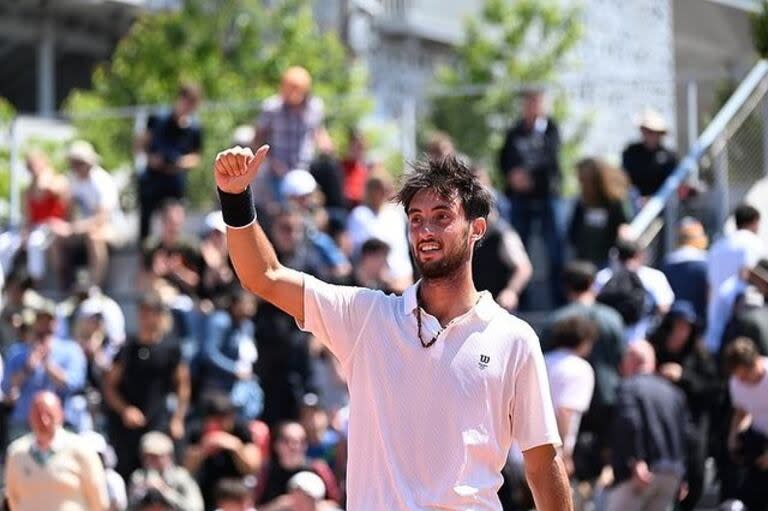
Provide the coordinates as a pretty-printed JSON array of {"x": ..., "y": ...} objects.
[{"x": 252, "y": 254}]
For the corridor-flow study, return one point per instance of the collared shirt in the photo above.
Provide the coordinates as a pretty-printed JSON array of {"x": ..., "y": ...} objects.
[
  {"x": 66, "y": 354},
  {"x": 290, "y": 131},
  {"x": 431, "y": 428}
]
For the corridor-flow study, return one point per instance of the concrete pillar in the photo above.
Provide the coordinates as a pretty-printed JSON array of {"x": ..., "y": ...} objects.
[{"x": 46, "y": 70}]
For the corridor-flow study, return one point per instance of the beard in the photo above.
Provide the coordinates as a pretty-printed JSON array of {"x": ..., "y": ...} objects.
[{"x": 453, "y": 260}]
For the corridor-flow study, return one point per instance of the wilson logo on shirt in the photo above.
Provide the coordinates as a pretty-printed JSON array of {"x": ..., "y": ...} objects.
[{"x": 484, "y": 359}]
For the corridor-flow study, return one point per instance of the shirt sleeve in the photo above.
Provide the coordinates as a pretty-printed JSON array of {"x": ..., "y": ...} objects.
[
  {"x": 336, "y": 315},
  {"x": 533, "y": 416}
]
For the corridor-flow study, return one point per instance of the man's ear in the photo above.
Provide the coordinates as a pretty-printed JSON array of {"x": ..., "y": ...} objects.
[{"x": 479, "y": 226}]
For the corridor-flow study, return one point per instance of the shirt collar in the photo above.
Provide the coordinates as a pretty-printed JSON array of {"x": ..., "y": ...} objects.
[{"x": 484, "y": 308}]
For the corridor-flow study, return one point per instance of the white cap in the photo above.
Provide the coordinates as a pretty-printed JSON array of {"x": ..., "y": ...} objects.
[
  {"x": 652, "y": 120},
  {"x": 215, "y": 222},
  {"x": 298, "y": 183},
  {"x": 90, "y": 307},
  {"x": 81, "y": 150},
  {"x": 309, "y": 483}
]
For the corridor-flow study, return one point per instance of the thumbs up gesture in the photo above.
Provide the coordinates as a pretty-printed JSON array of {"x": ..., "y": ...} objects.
[{"x": 235, "y": 168}]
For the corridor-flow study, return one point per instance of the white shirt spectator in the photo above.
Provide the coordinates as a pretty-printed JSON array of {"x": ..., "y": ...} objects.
[
  {"x": 458, "y": 404},
  {"x": 97, "y": 191},
  {"x": 657, "y": 286},
  {"x": 388, "y": 225},
  {"x": 731, "y": 253},
  {"x": 753, "y": 399},
  {"x": 571, "y": 381},
  {"x": 721, "y": 310}
]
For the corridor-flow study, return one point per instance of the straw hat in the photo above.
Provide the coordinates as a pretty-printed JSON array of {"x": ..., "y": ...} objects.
[
  {"x": 652, "y": 120},
  {"x": 80, "y": 150}
]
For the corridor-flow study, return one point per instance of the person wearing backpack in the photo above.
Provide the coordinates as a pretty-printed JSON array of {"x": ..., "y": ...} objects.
[{"x": 639, "y": 293}]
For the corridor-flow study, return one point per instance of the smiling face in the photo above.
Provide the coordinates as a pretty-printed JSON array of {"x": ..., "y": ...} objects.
[{"x": 441, "y": 237}]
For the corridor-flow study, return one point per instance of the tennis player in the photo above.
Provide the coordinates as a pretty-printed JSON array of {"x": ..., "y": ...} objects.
[{"x": 442, "y": 380}]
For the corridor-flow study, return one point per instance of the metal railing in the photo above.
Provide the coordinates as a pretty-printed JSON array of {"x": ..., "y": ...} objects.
[{"x": 730, "y": 155}]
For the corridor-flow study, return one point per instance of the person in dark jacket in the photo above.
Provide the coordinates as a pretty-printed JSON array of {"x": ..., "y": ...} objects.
[
  {"x": 686, "y": 267},
  {"x": 683, "y": 361},
  {"x": 529, "y": 165},
  {"x": 649, "y": 436},
  {"x": 647, "y": 162}
]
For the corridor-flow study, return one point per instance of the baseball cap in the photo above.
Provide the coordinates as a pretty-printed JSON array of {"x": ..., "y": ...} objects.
[
  {"x": 214, "y": 221},
  {"x": 308, "y": 483},
  {"x": 298, "y": 183},
  {"x": 90, "y": 307},
  {"x": 156, "y": 443}
]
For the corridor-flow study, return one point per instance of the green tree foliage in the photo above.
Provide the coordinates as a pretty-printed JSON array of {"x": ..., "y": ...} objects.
[
  {"x": 513, "y": 43},
  {"x": 236, "y": 50},
  {"x": 6, "y": 116},
  {"x": 760, "y": 29}
]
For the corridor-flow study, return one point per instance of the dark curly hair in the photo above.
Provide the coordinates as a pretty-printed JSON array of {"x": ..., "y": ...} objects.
[{"x": 450, "y": 177}]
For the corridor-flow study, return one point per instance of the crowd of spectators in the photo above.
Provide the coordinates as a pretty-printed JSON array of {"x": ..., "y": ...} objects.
[{"x": 208, "y": 399}]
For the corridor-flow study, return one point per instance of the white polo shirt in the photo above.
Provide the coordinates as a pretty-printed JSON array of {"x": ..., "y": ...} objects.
[{"x": 431, "y": 428}]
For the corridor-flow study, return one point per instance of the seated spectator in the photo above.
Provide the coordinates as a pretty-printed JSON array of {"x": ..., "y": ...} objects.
[
  {"x": 683, "y": 361},
  {"x": 686, "y": 267},
  {"x": 571, "y": 378},
  {"x": 377, "y": 218},
  {"x": 146, "y": 372},
  {"x": 290, "y": 458},
  {"x": 17, "y": 293},
  {"x": 154, "y": 500},
  {"x": 355, "y": 170},
  {"x": 305, "y": 493},
  {"x": 748, "y": 436},
  {"x": 233, "y": 495},
  {"x": 217, "y": 279},
  {"x": 95, "y": 200},
  {"x": 46, "y": 363},
  {"x": 52, "y": 469},
  {"x": 649, "y": 437},
  {"x": 172, "y": 142},
  {"x": 327, "y": 172},
  {"x": 159, "y": 472},
  {"x": 323, "y": 442},
  {"x": 371, "y": 269},
  {"x": 229, "y": 354},
  {"x": 291, "y": 123},
  {"x": 172, "y": 257},
  {"x": 220, "y": 447},
  {"x": 740, "y": 249},
  {"x": 638, "y": 292},
  {"x": 600, "y": 211},
  {"x": 118, "y": 498},
  {"x": 500, "y": 264}
]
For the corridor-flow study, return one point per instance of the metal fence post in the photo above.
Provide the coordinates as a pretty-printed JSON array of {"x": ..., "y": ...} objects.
[
  {"x": 692, "y": 124},
  {"x": 721, "y": 183}
]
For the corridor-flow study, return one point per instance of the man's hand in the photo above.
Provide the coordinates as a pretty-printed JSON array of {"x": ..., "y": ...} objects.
[
  {"x": 235, "y": 168},
  {"x": 641, "y": 476},
  {"x": 671, "y": 371},
  {"x": 177, "y": 427},
  {"x": 133, "y": 418},
  {"x": 220, "y": 441},
  {"x": 60, "y": 228}
]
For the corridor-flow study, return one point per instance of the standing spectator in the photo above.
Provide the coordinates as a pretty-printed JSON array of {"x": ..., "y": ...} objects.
[
  {"x": 649, "y": 436},
  {"x": 233, "y": 495},
  {"x": 600, "y": 211},
  {"x": 750, "y": 317},
  {"x": 529, "y": 164},
  {"x": 683, "y": 361},
  {"x": 229, "y": 354},
  {"x": 501, "y": 264},
  {"x": 377, "y": 218},
  {"x": 291, "y": 123},
  {"x": 638, "y": 292},
  {"x": 220, "y": 447},
  {"x": 116, "y": 493},
  {"x": 571, "y": 378},
  {"x": 95, "y": 200},
  {"x": 748, "y": 436},
  {"x": 355, "y": 170},
  {"x": 738, "y": 250},
  {"x": 172, "y": 142},
  {"x": 686, "y": 267},
  {"x": 159, "y": 472},
  {"x": 51, "y": 469},
  {"x": 45, "y": 363},
  {"x": 172, "y": 257},
  {"x": 605, "y": 356},
  {"x": 327, "y": 172},
  {"x": 146, "y": 372},
  {"x": 647, "y": 162},
  {"x": 290, "y": 458}
]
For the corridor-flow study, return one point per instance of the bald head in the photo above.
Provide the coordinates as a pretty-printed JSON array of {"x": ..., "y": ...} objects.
[
  {"x": 640, "y": 358},
  {"x": 295, "y": 85},
  {"x": 45, "y": 415}
]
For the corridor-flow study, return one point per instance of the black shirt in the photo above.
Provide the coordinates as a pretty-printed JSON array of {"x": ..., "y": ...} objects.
[
  {"x": 220, "y": 465},
  {"x": 648, "y": 169},
  {"x": 593, "y": 230},
  {"x": 148, "y": 377},
  {"x": 172, "y": 141},
  {"x": 537, "y": 152}
]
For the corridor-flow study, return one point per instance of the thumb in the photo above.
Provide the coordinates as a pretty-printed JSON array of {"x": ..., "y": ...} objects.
[{"x": 255, "y": 162}]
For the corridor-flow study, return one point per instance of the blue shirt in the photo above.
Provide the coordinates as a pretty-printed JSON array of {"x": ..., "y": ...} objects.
[
  {"x": 66, "y": 354},
  {"x": 686, "y": 270}
]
